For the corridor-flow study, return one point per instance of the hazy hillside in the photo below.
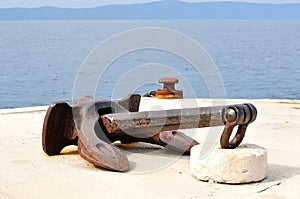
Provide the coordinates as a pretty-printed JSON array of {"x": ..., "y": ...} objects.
[{"x": 159, "y": 10}]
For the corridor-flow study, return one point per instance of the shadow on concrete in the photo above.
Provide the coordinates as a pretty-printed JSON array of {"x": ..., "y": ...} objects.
[
  {"x": 277, "y": 172},
  {"x": 149, "y": 149}
]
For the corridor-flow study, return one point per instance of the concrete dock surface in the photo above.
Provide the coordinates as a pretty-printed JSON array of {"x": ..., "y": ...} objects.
[{"x": 27, "y": 172}]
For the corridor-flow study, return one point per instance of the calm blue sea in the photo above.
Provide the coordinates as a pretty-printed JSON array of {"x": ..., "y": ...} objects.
[{"x": 39, "y": 60}]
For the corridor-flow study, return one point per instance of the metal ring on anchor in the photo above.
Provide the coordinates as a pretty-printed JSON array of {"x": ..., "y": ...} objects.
[
  {"x": 238, "y": 138},
  {"x": 240, "y": 115}
]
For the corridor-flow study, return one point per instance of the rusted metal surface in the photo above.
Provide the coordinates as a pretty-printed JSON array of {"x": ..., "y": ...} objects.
[
  {"x": 79, "y": 124},
  {"x": 177, "y": 141},
  {"x": 58, "y": 128},
  {"x": 93, "y": 124},
  {"x": 168, "y": 91},
  {"x": 143, "y": 123},
  {"x": 74, "y": 125}
]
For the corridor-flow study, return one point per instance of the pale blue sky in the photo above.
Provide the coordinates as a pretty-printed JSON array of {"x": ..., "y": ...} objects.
[{"x": 94, "y": 3}]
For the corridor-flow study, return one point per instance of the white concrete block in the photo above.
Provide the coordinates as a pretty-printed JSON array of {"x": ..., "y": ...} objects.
[{"x": 245, "y": 164}]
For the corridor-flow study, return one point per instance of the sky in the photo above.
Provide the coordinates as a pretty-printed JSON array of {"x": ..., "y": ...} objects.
[{"x": 94, "y": 3}]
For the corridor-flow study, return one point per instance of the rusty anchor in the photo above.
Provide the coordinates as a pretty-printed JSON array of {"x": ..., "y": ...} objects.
[{"x": 93, "y": 124}]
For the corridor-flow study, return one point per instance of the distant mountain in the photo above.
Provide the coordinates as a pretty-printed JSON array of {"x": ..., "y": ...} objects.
[{"x": 169, "y": 9}]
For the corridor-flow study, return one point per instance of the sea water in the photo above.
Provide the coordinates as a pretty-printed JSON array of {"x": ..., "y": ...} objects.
[{"x": 40, "y": 60}]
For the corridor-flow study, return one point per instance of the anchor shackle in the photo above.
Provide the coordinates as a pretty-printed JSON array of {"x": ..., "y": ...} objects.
[{"x": 241, "y": 115}]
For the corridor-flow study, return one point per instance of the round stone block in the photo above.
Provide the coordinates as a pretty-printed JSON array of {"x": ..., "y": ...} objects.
[{"x": 244, "y": 164}]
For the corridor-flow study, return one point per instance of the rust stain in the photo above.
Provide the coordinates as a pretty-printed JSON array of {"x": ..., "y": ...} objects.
[
  {"x": 290, "y": 102},
  {"x": 297, "y": 103}
]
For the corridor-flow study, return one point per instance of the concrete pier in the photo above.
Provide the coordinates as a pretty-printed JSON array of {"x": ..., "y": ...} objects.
[{"x": 27, "y": 172}]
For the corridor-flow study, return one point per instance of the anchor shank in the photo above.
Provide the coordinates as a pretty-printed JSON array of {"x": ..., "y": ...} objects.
[{"x": 145, "y": 123}]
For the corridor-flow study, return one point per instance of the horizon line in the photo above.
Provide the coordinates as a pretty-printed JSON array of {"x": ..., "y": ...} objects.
[{"x": 155, "y": 1}]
